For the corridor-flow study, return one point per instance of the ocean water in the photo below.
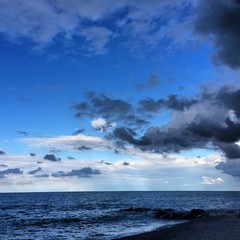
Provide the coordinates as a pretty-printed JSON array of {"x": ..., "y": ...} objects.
[{"x": 96, "y": 215}]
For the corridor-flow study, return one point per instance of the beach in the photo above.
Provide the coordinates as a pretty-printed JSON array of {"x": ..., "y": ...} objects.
[{"x": 216, "y": 227}]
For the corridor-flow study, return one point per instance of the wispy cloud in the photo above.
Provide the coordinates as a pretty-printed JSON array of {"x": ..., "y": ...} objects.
[
  {"x": 68, "y": 142},
  {"x": 43, "y": 21},
  {"x": 152, "y": 82}
]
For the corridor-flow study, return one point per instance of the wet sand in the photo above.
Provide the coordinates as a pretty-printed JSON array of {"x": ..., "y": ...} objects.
[{"x": 218, "y": 227}]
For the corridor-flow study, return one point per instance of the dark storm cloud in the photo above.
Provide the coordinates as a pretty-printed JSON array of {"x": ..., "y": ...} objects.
[
  {"x": 84, "y": 172},
  {"x": 173, "y": 139},
  {"x": 150, "y": 105},
  {"x": 220, "y": 20},
  {"x": 197, "y": 134},
  {"x": 180, "y": 104},
  {"x": 51, "y": 157},
  {"x": 126, "y": 134},
  {"x": 103, "y": 105},
  {"x": 10, "y": 171},
  {"x": 211, "y": 118},
  {"x": 126, "y": 164},
  {"x": 232, "y": 150},
  {"x": 35, "y": 171},
  {"x": 151, "y": 83},
  {"x": 229, "y": 99},
  {"x": 32, "y": 154},
  {"x": 172, "y": 102},
  {"x": 227, "y": 132},
  {"x": 109, "y": 108},
  {"x": 2, "y": 152},
  {"x": 231, "y": 167},
  {"x": 121, "y": 111}
]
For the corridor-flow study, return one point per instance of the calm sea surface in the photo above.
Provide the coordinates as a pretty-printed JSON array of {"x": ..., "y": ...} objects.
[{"x": 96, "y": 215}]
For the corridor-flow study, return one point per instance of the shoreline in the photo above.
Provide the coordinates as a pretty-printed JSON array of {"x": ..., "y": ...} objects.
[{"x": 218, "y": 226}]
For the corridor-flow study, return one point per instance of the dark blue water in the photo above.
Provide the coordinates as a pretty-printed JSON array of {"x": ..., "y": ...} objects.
[{"x": 96, "y": 215}]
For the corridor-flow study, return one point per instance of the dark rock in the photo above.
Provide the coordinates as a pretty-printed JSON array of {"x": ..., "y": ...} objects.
[
  {"x": 127, "y": 209},
  {"x": 131, "y": 209},
  {"x": 198, "y": 213},
  {"x": 172, "y": 214}
]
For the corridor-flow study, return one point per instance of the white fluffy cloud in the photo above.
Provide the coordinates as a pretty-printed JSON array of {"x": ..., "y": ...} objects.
[
  {"x": 101, "y": 124},
  {"x": 210, "y": 181}
]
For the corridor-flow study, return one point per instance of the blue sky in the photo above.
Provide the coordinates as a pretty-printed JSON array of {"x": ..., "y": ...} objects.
[{"x": 126, "y": 95}]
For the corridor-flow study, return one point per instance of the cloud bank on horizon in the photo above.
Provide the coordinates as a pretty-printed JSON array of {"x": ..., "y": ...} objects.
[{"x": 131, "y": 121}]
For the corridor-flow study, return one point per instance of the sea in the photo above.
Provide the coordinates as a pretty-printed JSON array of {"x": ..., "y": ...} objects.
[{"x": 97, "y": 215}]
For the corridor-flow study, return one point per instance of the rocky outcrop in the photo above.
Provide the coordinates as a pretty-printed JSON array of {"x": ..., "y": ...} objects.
[
  {"x": 131, "y": 209},
  {"x": 171, "y": 214}
]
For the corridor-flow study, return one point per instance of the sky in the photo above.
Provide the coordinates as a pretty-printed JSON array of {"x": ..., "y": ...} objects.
[{"x": 119, "y": 95}]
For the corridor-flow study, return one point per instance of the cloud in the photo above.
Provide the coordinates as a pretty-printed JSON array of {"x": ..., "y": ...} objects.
[
  {"x": 172, "y": 102},
  {"x": 100, "y": 124},
  {"x": 10, "y": 171},
  {"x": 109, "y": 109},
  {"x": 2, "y": 152},
  {"x": 126, "y": 163},
  {"x": 152, "y": 82},
  {"x": 3, "y": 165},
  {"x": 51, "y": 157},
  {"x": 109, "y": 106},
  {"x": 210, "y": 181},
  {"x": 96, "y": 39},
  {"x": 210, "y": 120},
  {"x": 79, "y": 131},
  {"x": 68, "y": 142},
  {"x": 22, "y": 133},
  {"x": 83, "y": 148},
  {"x": 222, "y": 27},
  {"x": 45, "y": 175},
  {"x": 231, "y": 150},
  {"x": 35, "y": 171},
  {"x": 84, "y": 172},
  {"x": 140, "y": 174},
  {"x": 106, "y": 163},
  {"x": 145, "y": 23},
  {"x": 231, "y": 167},
  {"x": 126, "y": 134}
]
